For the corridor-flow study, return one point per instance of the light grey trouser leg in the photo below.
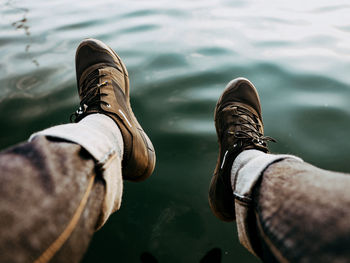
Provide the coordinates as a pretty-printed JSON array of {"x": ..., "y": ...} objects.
[
  {"x": 293, "y": 212},
  {"x": 42, "y": 183},
  {"x": 303, "y": 212},
  {"x": 54, "y": 193}
]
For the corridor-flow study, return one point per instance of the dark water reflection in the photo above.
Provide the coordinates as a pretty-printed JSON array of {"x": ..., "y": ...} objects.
[
  {"x": 212, "y": 256},
  {"x": 180, "y": 55}
]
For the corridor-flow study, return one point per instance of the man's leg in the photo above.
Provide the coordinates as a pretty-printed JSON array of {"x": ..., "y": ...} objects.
[
  {"x": 302, "y": 212},
  {"x": 285, "y": 209},
  {"x": 290, "y": 211},
  {"x": 44, "y": 185},
  {"x": 64, "y": 184},
  {"x": 56, "y": 193}
]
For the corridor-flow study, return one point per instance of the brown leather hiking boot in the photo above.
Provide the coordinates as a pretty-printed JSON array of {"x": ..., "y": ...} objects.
[
  {"x": 239, "y": 127},
  {"x": 103, "y": 86}
]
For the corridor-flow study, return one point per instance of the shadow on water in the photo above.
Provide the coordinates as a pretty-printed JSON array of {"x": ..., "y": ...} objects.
[{"x": 212, "y": 256}]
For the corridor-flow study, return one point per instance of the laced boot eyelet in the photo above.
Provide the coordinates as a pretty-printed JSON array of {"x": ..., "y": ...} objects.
[
  {"x": 79, "y": 111},
  {"x": 108, "y": 105}
]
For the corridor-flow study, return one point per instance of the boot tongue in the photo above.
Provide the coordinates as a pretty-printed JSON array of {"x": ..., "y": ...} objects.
[
  {"x": 239, "y": 120},
  {"x": 86, "y": 80},
  {"x": 249, "y": 124},
  {"x": 114, "y": 76}
]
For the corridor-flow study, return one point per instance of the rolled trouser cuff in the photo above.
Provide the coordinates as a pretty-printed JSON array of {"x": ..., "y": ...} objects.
[
  {"x": 100, "y": 136},
  {"x": 246, "y": 171}
]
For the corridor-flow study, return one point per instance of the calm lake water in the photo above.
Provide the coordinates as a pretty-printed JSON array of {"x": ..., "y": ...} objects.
[{"x": 180, "y": 55}]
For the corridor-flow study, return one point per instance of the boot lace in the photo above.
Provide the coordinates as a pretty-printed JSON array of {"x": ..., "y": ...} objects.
[
  {"x": 91, "y": 95},
  {"x": 249, "y": 133}
]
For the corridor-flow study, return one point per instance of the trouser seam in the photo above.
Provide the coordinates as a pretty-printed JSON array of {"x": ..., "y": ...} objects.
[
  {"x": 269, "y": 239},
  {"x": 58, "y": 243},
  {"x": 107, "y": 158},
  {"x": 243, "y": 200}
]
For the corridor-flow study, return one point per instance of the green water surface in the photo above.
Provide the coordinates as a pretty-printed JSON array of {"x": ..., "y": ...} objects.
[{"x": 180, "y": 55}]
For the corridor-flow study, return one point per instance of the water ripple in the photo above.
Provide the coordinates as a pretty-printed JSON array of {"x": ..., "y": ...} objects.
[
  {"x": 139, "y": 28},
  {"x": 180, "y": 55}
]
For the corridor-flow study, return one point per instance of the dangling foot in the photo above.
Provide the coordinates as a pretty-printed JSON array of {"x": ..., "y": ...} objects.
[
  {"x": 239, "y": 127},
  {"x": 103, "y": 86}
]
